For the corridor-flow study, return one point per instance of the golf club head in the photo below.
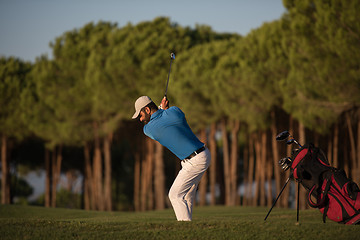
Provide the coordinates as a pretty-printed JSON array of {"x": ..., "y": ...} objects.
[
  {"x": 291, "y": 141},
  {"x": 282, "y": 136},
  {"x": 172, "y": 56}
]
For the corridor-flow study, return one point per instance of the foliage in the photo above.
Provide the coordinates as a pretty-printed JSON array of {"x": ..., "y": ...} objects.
[
  {"x": 195, "y": 87},
  {"x": 12, "y": 82},
  {"x": 248, "y": 77},
  {"x": 20, "y": 189},
  {"x": 324, "y": 79},
  {"x": 64, "y": 199}
]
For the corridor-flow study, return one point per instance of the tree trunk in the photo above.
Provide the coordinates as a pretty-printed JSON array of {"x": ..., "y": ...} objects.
[
  {"x": 262, "y": 166},
  {"x": 330, "y": 150},
  {"x": 47, "y": 179},
  {"x": 212, "y": 143},
  {"x": 70, "y": 177},
  {"x": 353, "y": 163},
  {"x": 302, "y": 141},
  {"x": 203, "y": 182},
  {"x": 159, "y": 177},
  {"x": 144, "y": 172},
  {"x": 137, "y": 180},
  {"x": 89, "y": 201},
  {"x": 244, "y": 201},
  {"x": 226, "y": 163},
  {"x": 269, "y": 170},
  {"x": 250, "y": 194},
  {"x": 346, "y": 158},
  {"x": 58, "y": 165},
  {"x": 357, "y": 178},
  {"x": 53, "y": 177},
  {"x": 258, "y": 188},
  {"x": 56, "y": 170},
  {"x": 149, "y": 174},
  {"x": 97, "y": 172},
  {"x": 286, "y": 193},
  {"x": 5, "y": 178},
  {"x": 335, "y": 156},
  {"x": 275, "y": 154},
  {"x": 233, "y": 162},
  {"x": 107, "y": 172}
]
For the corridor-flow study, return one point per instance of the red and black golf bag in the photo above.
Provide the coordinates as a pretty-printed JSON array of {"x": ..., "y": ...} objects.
[{"x": 329, "y": 189}]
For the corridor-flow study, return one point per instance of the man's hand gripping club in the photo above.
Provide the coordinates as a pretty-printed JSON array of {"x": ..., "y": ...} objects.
[{"x": 164, "y": 103}]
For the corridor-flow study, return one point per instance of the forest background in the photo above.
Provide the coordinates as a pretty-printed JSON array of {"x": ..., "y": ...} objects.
[{"x": 70, "y": 115}]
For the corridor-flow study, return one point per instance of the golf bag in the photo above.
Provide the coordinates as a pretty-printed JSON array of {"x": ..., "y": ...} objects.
[{"x": 329, "y": 189}]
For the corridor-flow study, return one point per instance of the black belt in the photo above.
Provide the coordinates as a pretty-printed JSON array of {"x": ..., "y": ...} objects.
[{"x": 195, "y": 153}]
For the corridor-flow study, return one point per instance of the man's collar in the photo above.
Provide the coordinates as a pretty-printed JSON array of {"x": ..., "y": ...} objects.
[{"x": 156, "y": 114}]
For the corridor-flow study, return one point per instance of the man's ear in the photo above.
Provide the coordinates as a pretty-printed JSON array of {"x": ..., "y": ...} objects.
[{"x": 147, "y": 110}]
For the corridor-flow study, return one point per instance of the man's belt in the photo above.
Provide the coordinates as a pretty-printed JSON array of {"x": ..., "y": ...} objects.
[{"x": 195, "y": 153}]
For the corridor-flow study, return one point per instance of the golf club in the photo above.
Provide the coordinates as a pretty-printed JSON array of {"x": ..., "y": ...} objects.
[
  {"x": 172, "y": 57},
  {"x": 284, "y": 136}
]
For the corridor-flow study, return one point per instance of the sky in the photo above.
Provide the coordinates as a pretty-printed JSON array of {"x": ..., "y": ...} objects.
[{"x": 28, "y": 26}]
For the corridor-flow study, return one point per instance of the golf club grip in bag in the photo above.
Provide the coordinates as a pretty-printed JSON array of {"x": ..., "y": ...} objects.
[{"x": 329, "y": 189}]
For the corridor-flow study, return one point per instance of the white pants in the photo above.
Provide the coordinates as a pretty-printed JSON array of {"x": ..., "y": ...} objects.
[{"x": 183, "y": 191}]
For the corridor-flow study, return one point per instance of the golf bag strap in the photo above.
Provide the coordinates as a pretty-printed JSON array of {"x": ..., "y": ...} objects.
[{"x": 324, "y": 192}]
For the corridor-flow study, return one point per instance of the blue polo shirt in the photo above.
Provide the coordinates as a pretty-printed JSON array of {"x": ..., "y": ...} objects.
[{"x": 170, "y": 129}]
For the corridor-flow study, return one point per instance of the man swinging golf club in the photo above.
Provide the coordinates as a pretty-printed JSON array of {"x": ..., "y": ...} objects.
[{"x": 169, "y": 127}]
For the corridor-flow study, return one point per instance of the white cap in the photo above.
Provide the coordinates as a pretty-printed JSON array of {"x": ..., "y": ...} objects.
[{"x": 139, "y": 104}]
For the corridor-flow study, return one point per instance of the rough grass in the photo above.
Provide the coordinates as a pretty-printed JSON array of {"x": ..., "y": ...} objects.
[{"x": 25, "y": 222}]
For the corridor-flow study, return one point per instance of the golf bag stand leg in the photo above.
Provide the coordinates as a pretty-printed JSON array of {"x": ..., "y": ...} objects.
[
  {"x": 287, "y": 181},
  {"x": 298, "y": 203}
]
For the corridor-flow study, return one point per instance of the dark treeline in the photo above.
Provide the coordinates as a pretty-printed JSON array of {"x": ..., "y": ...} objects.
[{"x": 71, "y": 114}]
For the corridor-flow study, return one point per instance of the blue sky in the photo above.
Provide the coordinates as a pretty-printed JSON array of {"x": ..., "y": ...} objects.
[{"x": 28, "y": 26}]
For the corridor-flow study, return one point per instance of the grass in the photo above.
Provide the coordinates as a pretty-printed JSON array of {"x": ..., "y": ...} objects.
[{"x": 27, "y": 222}]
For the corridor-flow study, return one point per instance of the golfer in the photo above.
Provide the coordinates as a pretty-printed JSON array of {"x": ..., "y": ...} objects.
[{"x": 169, "y": 127}]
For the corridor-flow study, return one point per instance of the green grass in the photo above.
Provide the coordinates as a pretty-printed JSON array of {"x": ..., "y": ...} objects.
[{"x": 25, "y": 222}]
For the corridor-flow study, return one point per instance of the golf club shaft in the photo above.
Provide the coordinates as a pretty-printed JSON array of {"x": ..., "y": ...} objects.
[
  {"x": 167, "y": 83},
  {"x": 172, "y": 57}
]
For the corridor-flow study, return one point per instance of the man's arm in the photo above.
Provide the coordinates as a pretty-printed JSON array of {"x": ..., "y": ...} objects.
[{"x": 164, "y": 103}]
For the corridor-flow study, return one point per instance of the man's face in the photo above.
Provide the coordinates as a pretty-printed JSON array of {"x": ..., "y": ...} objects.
[{"x": 145, "y": 115}]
